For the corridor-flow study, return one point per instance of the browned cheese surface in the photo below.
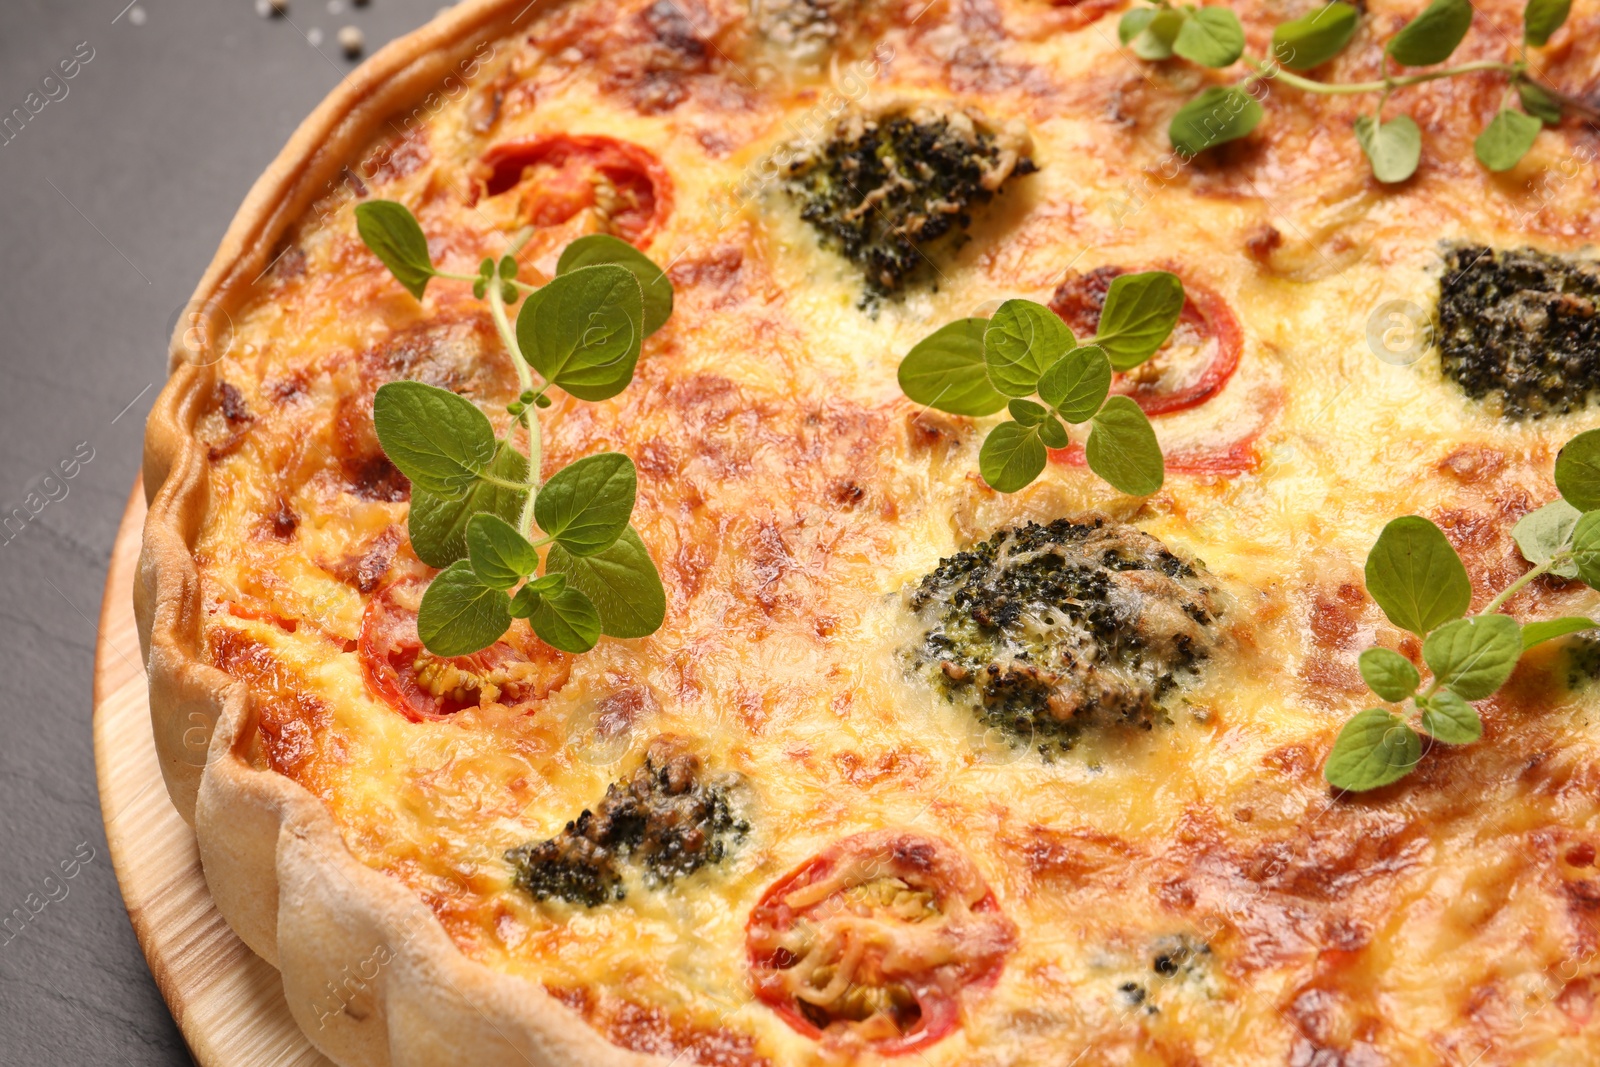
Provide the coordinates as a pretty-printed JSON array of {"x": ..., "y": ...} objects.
[{"x": 789, "y": 493}]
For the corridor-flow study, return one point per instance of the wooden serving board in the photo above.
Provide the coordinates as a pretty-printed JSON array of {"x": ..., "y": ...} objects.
[{"x": 227, "y": 1000}]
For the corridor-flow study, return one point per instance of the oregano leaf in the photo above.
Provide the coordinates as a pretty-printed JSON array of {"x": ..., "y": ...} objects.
[
  {"x": 1027, "y": 412},
  {"x": 460, "y": 614},
  {"x": 946, "y": 370},
  {"x": 500, "y": 556},
  {"x": 1134, "y": 22},
  {"x": 438, "y": 524},
  {"x": 1538, "y": 103},
  {"x": 1021, "y": 340},
  {"x": 597, "y": 248},
  {"x": 1535, "y": 633},
  {"x": 1139, "y": 313},
  {"x": 1052, "y": 433},
  {"x": 1214, "y": 117},
  {"x": 1546, "y": 531},
  {"x": 528, "y": 597},
  {"x": 1154, "y": 37},
  {"x": 1078, "y": 383},
  {"x": 1578, "y": 471},
  {"x": 1375, "y": 748},
  {"x": 566, "y": 619},
  {"x": 1541, "y": 18},
  {"x": 1416, "y": 577},
  {"x": 1474, "y": 656},
  {"x": 622, "y": 581},
  {"x": 1122, "y": 448},
  {"x": 1507, "y": 138},
  {"x": 1388, "y": 674},
  {"x": 1311, "y": 41},
  {"x": 1039, "y": 419},
  {"x": 1393, "y": 149},
  {"x": 1449, "y": 718},
  {"x": 1586, "y": 548},
  {"x": 583, "y": 330},
  {"x": 1211, "y": 37},
  {"x": 585, "y": 505},
  {"x": 439, "y": 440},
  {"x": 393, "y": 234},
  {"x": 1433, "y": 35},
  {"x": 1012, "y": 456}
]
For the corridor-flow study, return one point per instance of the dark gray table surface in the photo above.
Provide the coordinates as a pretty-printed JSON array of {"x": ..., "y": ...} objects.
[{"x": 117, "y": 192}]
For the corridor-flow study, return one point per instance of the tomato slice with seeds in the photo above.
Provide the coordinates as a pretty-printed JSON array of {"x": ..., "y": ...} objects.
[
  {"x": 422, "y": 686},
  {"x": 1189, "y": 369},
  {"x": 873, "y": 942},
  {"x": 555, "y": 176}
]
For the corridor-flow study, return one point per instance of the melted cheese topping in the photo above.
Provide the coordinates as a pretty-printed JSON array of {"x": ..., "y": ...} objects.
[{"x": 1188, "y": 894}]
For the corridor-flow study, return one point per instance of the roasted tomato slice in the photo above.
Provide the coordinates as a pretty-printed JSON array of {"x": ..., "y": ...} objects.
[
  {"x": 1194, "y": 364},
  {"x": 558, "y": 175},
  {"x": 872, "y": 942},
  {"x": 420, "y": 685}
]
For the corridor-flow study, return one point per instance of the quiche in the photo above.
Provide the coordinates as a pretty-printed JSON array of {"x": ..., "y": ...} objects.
[{"x": 912, "y": 770}]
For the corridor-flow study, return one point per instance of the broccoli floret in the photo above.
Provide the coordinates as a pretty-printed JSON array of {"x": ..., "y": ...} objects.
[
  {"x": 578, "y": 865},
  {"x": 1180, "y": 956},
  {"x": 1179, "y": 963},
  {"x": 882, "y": 188},
  {"x": 1045, "y": 630},
  {"x": 663, "y": 821},
  {"x": 807, "y": 29},
  {"x": 1521, "y": 327},
  {"x": 1581, "y": 661}
]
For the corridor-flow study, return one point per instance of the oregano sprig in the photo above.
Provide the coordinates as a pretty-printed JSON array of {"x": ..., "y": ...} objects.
[
  {"x": 1419, "y": 581},
  {"x": 479, "y": 510},
  {"x": 977, "y": 366},
  {"x": 1212, "y": 37}
]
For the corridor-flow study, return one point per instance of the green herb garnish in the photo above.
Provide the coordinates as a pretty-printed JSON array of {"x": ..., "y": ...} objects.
[
  {"x": 978, "y": 366},
  {"x": 1212, "y": 37},
  {"x": 478, "y": 508},
  {"x": 1422, "y": 586}
]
